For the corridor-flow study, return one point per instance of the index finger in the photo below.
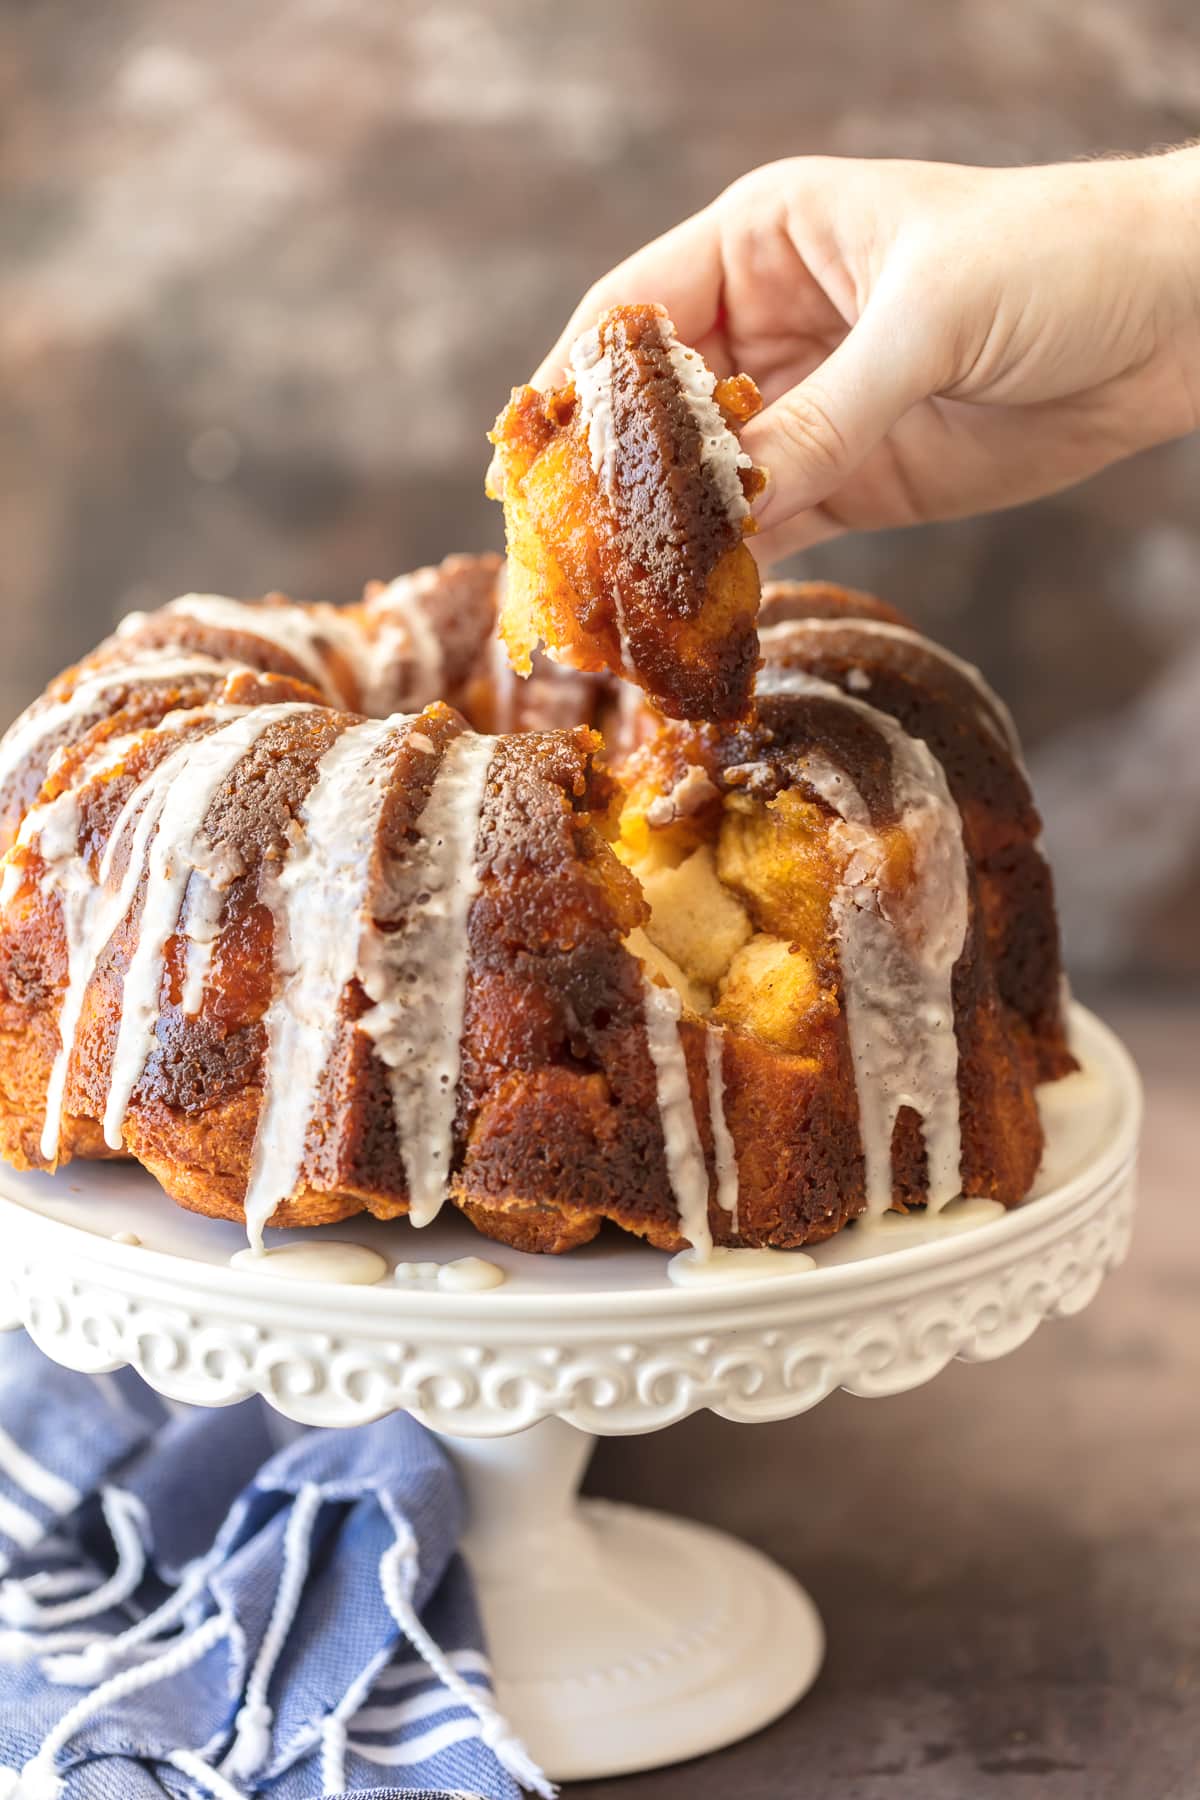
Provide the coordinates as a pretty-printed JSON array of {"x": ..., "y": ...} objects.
[{"x": 682, "y": 269}]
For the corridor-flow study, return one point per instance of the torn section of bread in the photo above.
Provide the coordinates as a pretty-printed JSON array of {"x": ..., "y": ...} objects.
[
  {"x": 738, "y": 889},
  {"x": 627, "y": 502},
  {"x": 771, "y": 990},
  {"x": 696, "y": 919}
]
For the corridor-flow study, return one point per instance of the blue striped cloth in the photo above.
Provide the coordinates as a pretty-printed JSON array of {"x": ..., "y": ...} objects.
[{"x": 191, "y": 1606}]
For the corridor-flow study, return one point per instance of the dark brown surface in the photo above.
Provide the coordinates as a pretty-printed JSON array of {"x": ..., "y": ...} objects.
[
  {"x": 673, "y": 521},
  {"x": 559, "y": 1091},
  {"x": 644, "y": 573},
  {"x": 934, "y": 702},
  {"x": 1008, "y": 1560}
]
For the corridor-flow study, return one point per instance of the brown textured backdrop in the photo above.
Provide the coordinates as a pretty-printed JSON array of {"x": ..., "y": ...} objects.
[{"x": 268, "y": 268}]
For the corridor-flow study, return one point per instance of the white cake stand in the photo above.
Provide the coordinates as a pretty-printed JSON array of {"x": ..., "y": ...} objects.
[{"x": 622, "y": 1639}]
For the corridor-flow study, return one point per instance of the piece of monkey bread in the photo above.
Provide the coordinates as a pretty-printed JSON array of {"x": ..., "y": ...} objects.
[{"x": 627, "y": 503}]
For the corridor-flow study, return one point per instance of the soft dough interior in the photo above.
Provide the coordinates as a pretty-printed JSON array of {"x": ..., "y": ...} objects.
[{"x": 739, "y": 899}]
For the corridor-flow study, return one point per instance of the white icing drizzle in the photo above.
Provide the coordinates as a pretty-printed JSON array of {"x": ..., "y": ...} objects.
[
  {"x": 994, "y": 715},
  {"x": 692, "y": 791},
  {"x": 724, "y": 1148},
  {"x": 301, "y": 632},
  {"x": 686, "y": 1167},
  {"x": 622, "y": 624},
  {"x": 202, "y": 928},
  {"x": 721, "y": 1267},
  {"x": 318, "y": 901},
  {"x": 755, "y": 777},
  {"x": 56, "y": 827},
  {"x": 417, "y": 975},
  {"x": 345, "y": 635},
  {"x": 33, "y": 728},
  {"x": 92, "y": 911},
  {"x": 897, "y": 948},
  {"x": 205, "y": 766},
  {"x": 315, "y": 1259},
  {"x": 406, "y": 635},
  {"x": 55, "y": 824},
  {"x": 592, "y": 370},
  {"x": 721, "y": 456},
  {"x": 215, "y": 871}
]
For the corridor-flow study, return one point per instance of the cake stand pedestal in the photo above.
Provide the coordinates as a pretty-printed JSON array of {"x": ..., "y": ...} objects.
[{"x": 622, "y": 1639}]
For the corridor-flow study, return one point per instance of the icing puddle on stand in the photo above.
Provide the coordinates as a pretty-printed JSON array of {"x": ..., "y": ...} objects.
[
  {"x": 320, "y": 1259},
  {"x": 918, "y": 1227},
  {"x": 467, "y": 1275},
  {"x": 353, "y": 1265},
  {"x": 689, "y": 1270},
  {"x": 866, "y": 1237},
  {"x": 1074, "y": 1112}
]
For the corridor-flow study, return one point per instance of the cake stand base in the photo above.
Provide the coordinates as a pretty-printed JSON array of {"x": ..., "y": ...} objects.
[{"x": 622, "y": 1639}]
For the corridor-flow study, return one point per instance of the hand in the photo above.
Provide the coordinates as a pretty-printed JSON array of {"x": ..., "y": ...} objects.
[{"x": 931, "y": 340}]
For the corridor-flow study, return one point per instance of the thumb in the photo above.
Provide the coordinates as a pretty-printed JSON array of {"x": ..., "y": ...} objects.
[{"x": 812, "y": 438}]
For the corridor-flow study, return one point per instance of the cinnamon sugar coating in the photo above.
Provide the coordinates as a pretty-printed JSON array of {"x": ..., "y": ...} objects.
[
  {"x": 626, "y": 522},
  {"x": 557, "y": 1125}
]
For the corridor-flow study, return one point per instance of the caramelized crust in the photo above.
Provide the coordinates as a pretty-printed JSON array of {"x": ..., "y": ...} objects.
[
  {"x": 626, "y": 550},
  {"x": 947, "y": 705},
  {"x": 711, "y": 857},
  {"x": 127, "y": 706},
  {"x": 797, "y": 1120}
]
